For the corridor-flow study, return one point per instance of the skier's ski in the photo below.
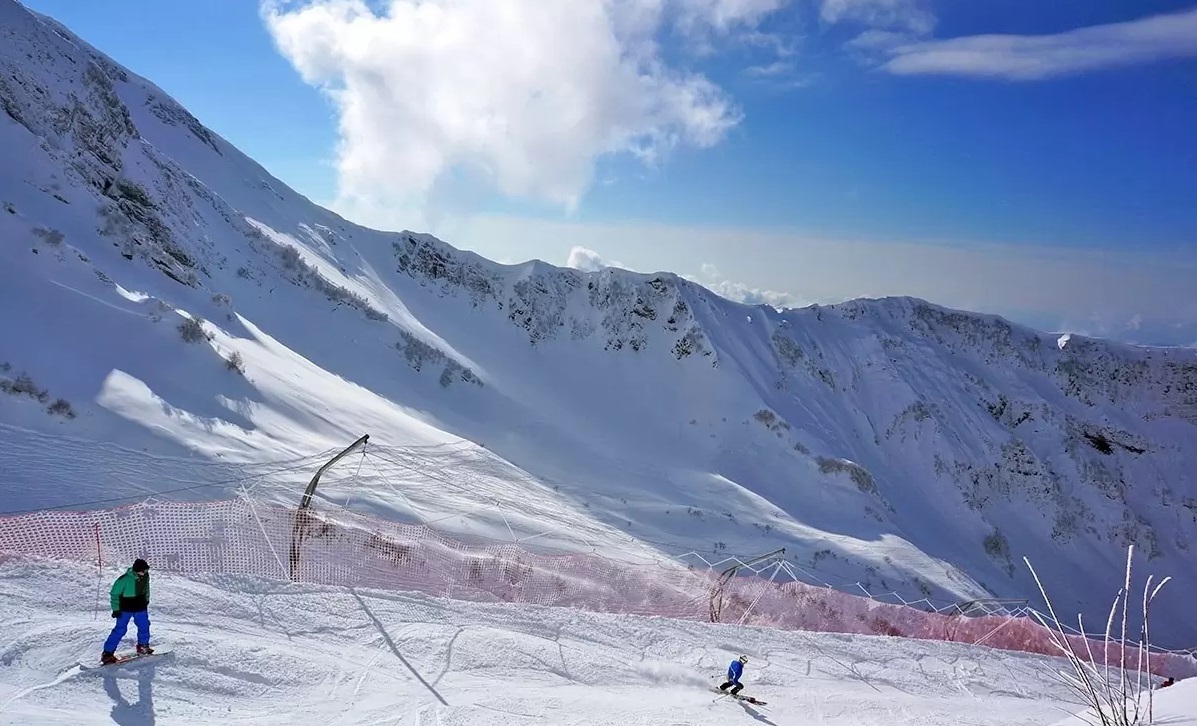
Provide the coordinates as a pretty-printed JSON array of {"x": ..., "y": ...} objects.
[
  {"x": 123, "y": 658},
  {"x": 748, "y": 699}
]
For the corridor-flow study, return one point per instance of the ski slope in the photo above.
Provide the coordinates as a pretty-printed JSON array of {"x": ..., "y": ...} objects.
[
  {"x": 177, "y": 323},
  {"x": 263, "y": 652},
  {"x": 887, "y": 444}
]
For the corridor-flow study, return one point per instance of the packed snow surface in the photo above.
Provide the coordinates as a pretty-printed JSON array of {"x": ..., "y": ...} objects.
[
  {"x": 177, "y": 322},
  {"x": 263, "y": 652}
]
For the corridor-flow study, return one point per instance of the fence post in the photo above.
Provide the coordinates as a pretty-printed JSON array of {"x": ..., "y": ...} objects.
[{"x": 99, "y": 570}]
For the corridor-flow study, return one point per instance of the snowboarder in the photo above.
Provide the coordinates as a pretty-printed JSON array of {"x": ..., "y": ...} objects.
[
  {"x": 734, "y": 671},
  {"x": 130, "y": 601}
]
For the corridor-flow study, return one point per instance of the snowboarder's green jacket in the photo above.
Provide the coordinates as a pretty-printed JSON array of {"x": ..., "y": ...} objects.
[{"x": 130, "y": 593}]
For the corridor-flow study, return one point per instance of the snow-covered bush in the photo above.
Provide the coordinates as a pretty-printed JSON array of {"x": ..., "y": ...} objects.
[
  {"x": 235, "y": 363},
  {"x": 192, "y": 330},
  {"x": 61, "y": 407},
  {"x": 859, "y": 475},
  {"x": 51, "y": 237},
  {"x": 23, "y": 385}
]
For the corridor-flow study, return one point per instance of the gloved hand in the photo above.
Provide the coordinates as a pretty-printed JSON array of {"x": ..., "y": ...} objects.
[{"x": 116, "y": 613}]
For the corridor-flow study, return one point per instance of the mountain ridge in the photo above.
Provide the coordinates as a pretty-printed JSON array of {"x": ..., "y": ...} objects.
[{"x": 914, "y": 446}]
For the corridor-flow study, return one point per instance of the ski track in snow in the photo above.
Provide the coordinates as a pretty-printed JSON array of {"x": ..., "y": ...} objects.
[
  {"x": 269, "y": 652},
  {"x": 890, "y": 442}
]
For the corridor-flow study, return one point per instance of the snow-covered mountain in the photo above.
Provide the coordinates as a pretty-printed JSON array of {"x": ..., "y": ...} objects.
[{"x": 163, "y": 294}]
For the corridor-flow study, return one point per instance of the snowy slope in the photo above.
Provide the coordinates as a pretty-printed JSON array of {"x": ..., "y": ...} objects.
[
  {"x": 891, "y": 442},
  {"x": 267, "y": 653}
]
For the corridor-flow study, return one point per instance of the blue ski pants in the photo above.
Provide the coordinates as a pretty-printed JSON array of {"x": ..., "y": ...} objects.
[{"x": 141, "y": 619}]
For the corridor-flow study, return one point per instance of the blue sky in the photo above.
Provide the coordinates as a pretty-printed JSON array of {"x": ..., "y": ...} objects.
[{"x": 790, "y": 151}]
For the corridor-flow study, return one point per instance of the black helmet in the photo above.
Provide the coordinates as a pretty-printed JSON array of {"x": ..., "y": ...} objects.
[{"x": 140, "y": 565}]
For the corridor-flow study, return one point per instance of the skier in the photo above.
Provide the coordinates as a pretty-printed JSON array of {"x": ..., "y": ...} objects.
[
  {"x": 130, "y": 600},
  {"x": 734, "y": 671}
]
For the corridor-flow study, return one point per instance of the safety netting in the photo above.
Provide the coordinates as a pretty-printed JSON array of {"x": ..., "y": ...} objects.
[{"x": 342, "y": 548}]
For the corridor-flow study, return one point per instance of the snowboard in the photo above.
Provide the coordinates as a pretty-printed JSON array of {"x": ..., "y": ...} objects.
[
  {"x": 746, "y": 699},
  {"x": 123, "y": 658}
]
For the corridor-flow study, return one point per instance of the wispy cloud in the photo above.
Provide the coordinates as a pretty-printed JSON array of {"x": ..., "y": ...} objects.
[
  {"x": 523, "y": 96},
  {"x": 772, "y": 70},
  {"x": 1037, "y": 57},
  {"x": 587, "y": 260},
  {"x": 907, "y": 16},
  {"x": 721, "y": 16},
  {"x": 886, "y": 24},
  {"x": 783, "y": 75},
  {"x": 782, "y": 45},
  {"x": 710, "y": 278}
]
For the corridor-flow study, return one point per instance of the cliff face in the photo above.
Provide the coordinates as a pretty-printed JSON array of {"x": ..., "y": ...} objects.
[
  {"x": 546, "y": 303},
  {"x": 892, "y": 442}
]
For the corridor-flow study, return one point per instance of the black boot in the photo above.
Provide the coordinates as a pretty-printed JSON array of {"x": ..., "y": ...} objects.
[{"x": 107, "y": 657}]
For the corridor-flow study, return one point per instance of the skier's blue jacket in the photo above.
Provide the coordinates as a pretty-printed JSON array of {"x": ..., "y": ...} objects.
[{"x": 734, "y": 670}]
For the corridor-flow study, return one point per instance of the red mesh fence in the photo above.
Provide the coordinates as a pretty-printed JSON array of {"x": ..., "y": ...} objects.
[{"x": 243, "y": 537}]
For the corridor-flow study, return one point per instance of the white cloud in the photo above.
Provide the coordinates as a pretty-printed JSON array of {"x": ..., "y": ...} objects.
[
  {"x": 521, "y": 95},
  {"x": 783, "y": 75},
  {"x": 710, "y": 278},
  {"x": 777, "y": 68},
  {"x": 901, "y": 15},
  {"x": 779, "y": 44},
  {"x": 587, "y": 260},
  {"x": 872, "y": 41},
  {"x": 723, "y": 16},
  {"x": 1035, "y": 57}
]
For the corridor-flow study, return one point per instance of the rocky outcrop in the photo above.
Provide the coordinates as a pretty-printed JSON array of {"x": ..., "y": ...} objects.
[{"x": 621, "y": 310}]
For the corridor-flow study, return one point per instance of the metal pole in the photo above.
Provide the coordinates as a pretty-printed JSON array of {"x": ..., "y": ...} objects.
[
  {"x": 725, "y": 577},
  {"x": 301, "y": 515},
  {"x": 307, "y": 494}
]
